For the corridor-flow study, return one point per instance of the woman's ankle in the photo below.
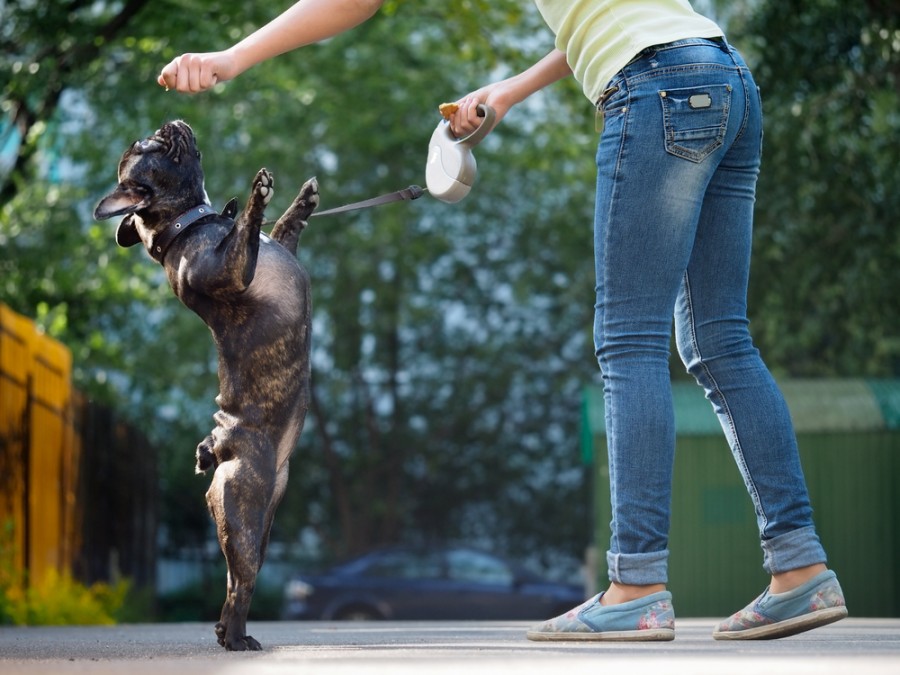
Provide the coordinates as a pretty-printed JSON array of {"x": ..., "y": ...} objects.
[
  {"x": 618, "y": 593},
  {"x": 783, "y": 582}
]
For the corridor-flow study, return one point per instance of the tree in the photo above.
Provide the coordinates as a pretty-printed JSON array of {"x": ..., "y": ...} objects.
[
  {"x": 445, "y": 337},
  {"x": 450, "y": 342},
  {"x": 827, "y": 258}
]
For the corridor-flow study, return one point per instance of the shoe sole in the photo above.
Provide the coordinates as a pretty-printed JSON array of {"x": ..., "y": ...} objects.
[
  {"x": 787, "y": 627},
  {"x": 650, "y": 635}
]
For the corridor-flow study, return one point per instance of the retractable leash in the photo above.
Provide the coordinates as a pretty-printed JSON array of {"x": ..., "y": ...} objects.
[
  {"x": 406, "y": 194},
  {"x": 449, "y": 172}
]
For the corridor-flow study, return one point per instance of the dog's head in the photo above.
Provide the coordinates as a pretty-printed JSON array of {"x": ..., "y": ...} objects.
[{"x": 160, "y": 177}]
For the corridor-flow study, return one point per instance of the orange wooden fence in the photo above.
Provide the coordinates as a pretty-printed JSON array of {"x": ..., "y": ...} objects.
[{"x": 39, "y": 451}]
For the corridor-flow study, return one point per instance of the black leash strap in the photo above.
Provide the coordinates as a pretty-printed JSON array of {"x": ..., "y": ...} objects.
[{"x": 405, "y": 195}]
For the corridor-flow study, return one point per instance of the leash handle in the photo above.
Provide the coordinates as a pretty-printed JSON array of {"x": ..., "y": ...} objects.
[
  {"x": 473, "y": 139},
  {"x": 407, "y": 195}
]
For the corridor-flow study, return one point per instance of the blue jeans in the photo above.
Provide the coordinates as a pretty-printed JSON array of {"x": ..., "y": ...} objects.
[{"x": 677, "y": 165}]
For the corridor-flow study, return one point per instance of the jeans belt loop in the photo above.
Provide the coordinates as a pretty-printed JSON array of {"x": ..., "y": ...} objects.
[{"x": 598, "y": 116}]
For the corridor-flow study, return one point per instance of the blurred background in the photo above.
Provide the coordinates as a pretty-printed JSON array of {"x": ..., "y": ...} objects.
[{"x": 455, "y": 389}]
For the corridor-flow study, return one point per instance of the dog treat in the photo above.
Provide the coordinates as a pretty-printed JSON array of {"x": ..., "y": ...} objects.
[{"x": 447, "y": 109}]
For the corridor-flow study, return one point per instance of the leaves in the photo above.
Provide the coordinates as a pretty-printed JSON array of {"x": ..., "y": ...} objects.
[
  {"x": 827, "y": 253},
  {"x": 451, "y": 343}
]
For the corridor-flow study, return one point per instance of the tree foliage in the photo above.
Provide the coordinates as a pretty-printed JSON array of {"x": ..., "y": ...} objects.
[
  {"x": 450, "y": 342},
  {"x": 827, "y": 262}
]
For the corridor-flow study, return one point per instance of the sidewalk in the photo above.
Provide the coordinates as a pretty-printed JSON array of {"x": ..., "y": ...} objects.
[{"x": 854, "y": 646}]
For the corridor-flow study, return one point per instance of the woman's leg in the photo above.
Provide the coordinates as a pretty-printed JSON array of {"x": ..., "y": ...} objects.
[
  {"x": 666, "y": 130},
  {"x": 714, "y": 342}
]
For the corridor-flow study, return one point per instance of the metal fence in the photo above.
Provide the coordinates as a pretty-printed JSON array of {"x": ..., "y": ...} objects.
[{"x": 77, "y": 486}]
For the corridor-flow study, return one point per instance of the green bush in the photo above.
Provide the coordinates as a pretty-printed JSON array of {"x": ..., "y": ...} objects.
[
  {"x": 60, "y": 600},
  {"x": 57, "y": 599}
]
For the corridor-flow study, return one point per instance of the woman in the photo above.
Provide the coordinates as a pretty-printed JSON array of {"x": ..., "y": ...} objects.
[{"x": 678, "y": 160}]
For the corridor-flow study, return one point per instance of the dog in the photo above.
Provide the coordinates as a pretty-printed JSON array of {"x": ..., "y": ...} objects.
[{"x": 254, "y": 296}]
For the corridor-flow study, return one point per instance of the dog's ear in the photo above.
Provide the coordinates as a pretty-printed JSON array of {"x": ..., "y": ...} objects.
[
  {"x": 127, "y": 234},
  {"x": 120, "y": 201}
]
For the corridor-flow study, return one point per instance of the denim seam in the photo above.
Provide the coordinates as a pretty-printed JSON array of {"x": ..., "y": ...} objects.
[
  {"x": 611, "y": 430},
  {"x": 746, "y": 109},
  {"x": 638, "y": 78},
  {"x": 737, "y": 451},
  {"x": 743, "y": 72}
]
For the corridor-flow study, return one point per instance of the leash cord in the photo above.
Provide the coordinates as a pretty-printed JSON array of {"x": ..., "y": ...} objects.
[{"x": 407, "y": 195}]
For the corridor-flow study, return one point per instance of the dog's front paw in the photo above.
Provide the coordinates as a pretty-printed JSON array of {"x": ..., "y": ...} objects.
[{"x": 264, "y": 185}]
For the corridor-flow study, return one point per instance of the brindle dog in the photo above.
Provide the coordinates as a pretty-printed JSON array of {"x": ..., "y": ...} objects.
[{"x": 254, "y": 296}]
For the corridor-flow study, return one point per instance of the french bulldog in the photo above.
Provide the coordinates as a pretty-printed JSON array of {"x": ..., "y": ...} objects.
[{"x": 254, "y": 296}]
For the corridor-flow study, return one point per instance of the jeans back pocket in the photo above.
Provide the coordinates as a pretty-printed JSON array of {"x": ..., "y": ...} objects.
[{"x": 695, "y": 119}]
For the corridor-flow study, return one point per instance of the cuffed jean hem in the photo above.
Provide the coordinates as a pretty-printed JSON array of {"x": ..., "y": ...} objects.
[
  {"x": 638, "y": 568},
  {"x": 793, "y": 550}
]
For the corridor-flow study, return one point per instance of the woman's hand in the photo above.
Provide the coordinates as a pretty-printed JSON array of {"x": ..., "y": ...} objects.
[
  {"x": 193, "y": 73},
  {"x": 503, "y": 95},
  {"x": 465, "y": 120}
]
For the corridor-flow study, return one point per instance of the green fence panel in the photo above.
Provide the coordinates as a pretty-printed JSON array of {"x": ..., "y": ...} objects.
[{"x": 849, "y": 437}]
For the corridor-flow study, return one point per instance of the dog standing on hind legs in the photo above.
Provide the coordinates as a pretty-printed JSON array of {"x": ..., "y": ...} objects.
[{"x": 254, "y": 296}]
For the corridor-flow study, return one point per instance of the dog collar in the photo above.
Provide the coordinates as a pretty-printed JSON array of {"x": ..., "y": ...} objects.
[{"x": 164, "y": 239}]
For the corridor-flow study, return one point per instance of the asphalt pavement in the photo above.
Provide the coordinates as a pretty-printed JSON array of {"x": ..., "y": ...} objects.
[{"x": 850, "y": 647}]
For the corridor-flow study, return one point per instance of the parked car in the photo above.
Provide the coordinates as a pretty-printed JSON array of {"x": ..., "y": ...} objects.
[{"x": 435, "y": 583}]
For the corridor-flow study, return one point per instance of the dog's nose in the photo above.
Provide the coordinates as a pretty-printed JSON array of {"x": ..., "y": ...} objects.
[{"x": 147, "y": 145}]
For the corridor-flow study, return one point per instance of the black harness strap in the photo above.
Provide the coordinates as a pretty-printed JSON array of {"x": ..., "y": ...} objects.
[{"x": 164, "y": 239}]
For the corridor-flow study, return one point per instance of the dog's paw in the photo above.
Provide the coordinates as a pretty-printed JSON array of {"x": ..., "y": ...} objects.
[
  {"x": 206, "y": 459},
  {"x": 245, "y": 643},
  {"x": 264, "y": 185},
  {"x": 252, "y": 645},
  {"x": 309, "y": 193}
]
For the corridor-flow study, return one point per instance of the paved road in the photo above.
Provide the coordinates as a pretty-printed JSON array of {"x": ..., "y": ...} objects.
[{"x": 850, "y": 647}]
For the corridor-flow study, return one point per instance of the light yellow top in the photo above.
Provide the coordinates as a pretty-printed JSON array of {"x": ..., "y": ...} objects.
[{"x": 600, "y": 37}]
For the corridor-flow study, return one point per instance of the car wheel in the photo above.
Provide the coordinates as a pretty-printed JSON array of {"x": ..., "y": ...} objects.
[{"x": 357, "y": 613}]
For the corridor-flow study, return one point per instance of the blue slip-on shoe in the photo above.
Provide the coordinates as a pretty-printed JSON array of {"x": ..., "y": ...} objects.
[
  {"x": 818, "y": 602},
  {"x": 650, "y": 618}
]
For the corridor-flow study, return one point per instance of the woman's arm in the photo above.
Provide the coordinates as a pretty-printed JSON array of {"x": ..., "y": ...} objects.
[
  {"x": 503, "y": 95},
  {"x": 304, "y": 23}
]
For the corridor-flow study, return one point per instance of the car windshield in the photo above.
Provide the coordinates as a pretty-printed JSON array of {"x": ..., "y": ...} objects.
[
  {"x": 463, "y": 565},
  {"x": 404, "y": 565}
]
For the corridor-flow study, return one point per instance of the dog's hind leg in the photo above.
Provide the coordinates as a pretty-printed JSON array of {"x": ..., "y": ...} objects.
[
  {"x": 281, "y": 480},
  {"x": 239, "y": 498},
  {"x": 290, "y": 226}
]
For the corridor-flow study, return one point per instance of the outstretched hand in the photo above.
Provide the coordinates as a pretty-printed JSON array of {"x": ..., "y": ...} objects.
[{"x": 193, "y": 73}]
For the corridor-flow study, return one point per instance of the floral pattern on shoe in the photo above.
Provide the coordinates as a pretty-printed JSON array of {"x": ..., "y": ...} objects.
[
  {"x": 830, "y": 596},
  {"x": 820, "y": 593},
  {"x": 746, "y": 618},
  {"x": 628, "y": 620},
  {"x": 568, "y": 622},
  {"x": 658, "y": 615}
]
